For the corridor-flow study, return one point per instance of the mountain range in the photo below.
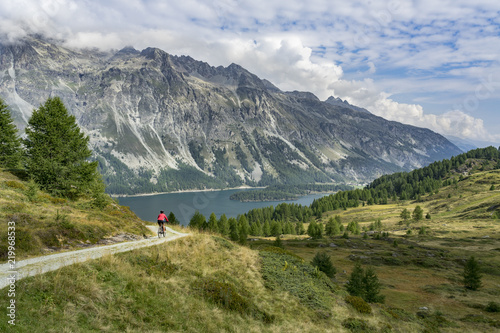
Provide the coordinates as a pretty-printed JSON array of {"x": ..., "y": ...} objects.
[{"x": 159, "y": 122}]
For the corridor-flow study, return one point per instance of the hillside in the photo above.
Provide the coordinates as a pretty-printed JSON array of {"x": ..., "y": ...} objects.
[
  {"x": 159, "y": 122},
  {"x": 45, "y": 224},
  {"x": 201, "y": 283},
  {"x": 205, "y": 283}
]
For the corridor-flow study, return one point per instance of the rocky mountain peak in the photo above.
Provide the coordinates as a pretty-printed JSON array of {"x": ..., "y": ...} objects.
[
  {"x": 344, "y": 103},
  {"x": 158, "y": 122}
]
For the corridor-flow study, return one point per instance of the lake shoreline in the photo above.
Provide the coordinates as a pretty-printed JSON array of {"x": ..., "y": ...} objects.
[
  {"x": 242, "y": 187},
  {"x": 184, "y": 205}
]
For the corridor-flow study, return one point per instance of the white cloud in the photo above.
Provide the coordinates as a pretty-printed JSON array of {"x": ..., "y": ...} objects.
[
  {"x": 455, "y": 122},
  {"x": 363, "y": 52}
]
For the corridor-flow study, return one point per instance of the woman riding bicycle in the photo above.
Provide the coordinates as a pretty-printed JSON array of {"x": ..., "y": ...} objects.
[{"x": 162, "y": 219}]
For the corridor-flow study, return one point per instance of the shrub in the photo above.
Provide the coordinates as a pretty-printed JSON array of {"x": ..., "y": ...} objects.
[
  {"x": 399, "y": 314},
  {"x": 152, "y": 265},
  {"x": 279, "y": 250},
  {"x": 359, "y": 304},
  {"x": 357, "y": 325},
  {"x": 287, "y": 273},
  {"x": 224, "y": 295},
  {"x": 492, "y": 307},
  {"x": 223, "y": 242}
]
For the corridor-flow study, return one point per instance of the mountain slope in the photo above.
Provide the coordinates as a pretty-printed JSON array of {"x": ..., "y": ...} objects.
[{"x": 159, "y": 122}]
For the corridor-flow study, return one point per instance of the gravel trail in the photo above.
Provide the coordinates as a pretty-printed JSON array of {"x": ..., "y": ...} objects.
[{"x": 39, "y": 265}]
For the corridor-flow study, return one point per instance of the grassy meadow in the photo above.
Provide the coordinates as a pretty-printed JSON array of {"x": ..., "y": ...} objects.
[
  {"x": 420, "y": 263},
  {"x": 205, "y": 283}
]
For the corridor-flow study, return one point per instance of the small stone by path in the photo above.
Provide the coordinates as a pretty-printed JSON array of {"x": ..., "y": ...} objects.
[{"x": 39, "y": 265}]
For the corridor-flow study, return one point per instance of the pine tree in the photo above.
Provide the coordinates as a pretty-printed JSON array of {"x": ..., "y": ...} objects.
[
  {"x": 472, "y": 275},
  {"x": 212, "y": 223},
  {"x": 197, "y": 221},
  {"x": 223, "y": 225},
  {"x": 266, "y": 229},
  {"x": 371, "y": 287},
  {"x": 324, "y": 263},
  {"x": 299, "y": 228},
  {"x": 354, "y": 228},
  {"x": 332, "y": 228},
  {"x": 418, "y": 213},
  {"x": 172, "y": 219},
  {"x": 57, "y": 151},
  {"x": 243, "y": 229},
  {"x": 355, "y": 283},
  {"x": 405, "y": 215},
  {"x": 10, "y": 144},
  {"x": 233, "y": 229},
  {"x": 315, "y": 230},
  {"x": 276, "y": 228}
]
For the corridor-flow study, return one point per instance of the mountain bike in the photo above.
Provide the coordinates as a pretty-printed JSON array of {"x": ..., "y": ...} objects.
[{"x": 161, "y": 230}]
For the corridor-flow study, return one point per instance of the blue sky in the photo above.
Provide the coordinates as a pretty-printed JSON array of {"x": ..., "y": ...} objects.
[{"x": 433, "y": 64}]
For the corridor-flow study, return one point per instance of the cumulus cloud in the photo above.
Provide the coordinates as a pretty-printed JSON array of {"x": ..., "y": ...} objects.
[
  {"x": 363, "y": 52},
  {"x": 452, "y": 123},
  {"x": 285, "y": 61}
]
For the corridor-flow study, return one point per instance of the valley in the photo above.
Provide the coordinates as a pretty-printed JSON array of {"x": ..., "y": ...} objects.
[{"x": 271, "y": 287}]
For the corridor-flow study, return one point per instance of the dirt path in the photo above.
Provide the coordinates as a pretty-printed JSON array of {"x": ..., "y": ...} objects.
[{"x": 40, "y": 265}]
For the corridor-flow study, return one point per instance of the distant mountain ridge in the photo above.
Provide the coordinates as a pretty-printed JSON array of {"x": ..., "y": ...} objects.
[{"x": 159, "y": 122}]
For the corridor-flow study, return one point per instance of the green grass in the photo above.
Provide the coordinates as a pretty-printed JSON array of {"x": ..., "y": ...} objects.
[
  {"x": 205, "y": 283},
  {"x": 425, "y": 270},
  {"x": 44, "y": 223}
]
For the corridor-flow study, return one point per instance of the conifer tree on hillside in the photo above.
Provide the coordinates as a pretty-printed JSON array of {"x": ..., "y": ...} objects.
[
  {"x": 355, "y": 283},
  {"x": 57, "y": 152},
  {"x": 233, "y": 229},
  {"x": 172, "y": 219},
  {"x": 10, "y": 144},
  {"x": 212, "y": 223},
  {"x": 472, "y": 274},
  {"x": 333, "y": 226},
  {"x": 372, "y": 287},
  {"x": 223, "y": 225},
  {"x": 243, "y": 229},
  {"x": 418, "y": 213},
  {"x": 405, "y": 215},
  {"x": 365, "y": 284},
  {"x": 324, "y": 263},
  {"x": 197, "y": 221},
  {"x": 299, "y": 228},
  {"x": 266, "y": 229}
]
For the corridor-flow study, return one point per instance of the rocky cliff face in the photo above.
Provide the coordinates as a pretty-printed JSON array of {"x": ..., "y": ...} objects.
[{"x": 159, "y": 122}]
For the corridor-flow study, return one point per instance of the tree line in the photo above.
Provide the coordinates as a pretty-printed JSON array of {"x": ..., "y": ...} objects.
[
  {"x": 409, "y": 185},
  {"x": 286, "y": 192},
  {"x": 291, "y": 218}
]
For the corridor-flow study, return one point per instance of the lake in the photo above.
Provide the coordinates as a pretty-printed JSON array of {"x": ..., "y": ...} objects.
[{"x": 185, "y": 204}]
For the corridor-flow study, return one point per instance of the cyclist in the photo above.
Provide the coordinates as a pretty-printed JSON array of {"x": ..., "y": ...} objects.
[{"x": 162, "y": 219}]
